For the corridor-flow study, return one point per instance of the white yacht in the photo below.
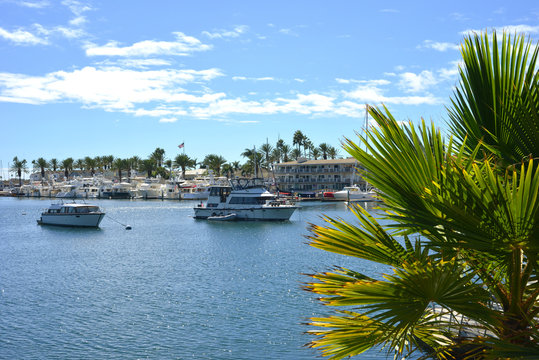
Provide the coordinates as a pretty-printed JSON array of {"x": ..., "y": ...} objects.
[
  {"x": 354, "y": 193},
  {"x": 72, "y": 214},
  {"x": 196, "y": 192},
  {"x": 69, "y": 191},
  {"x": 150, "y": 190},
  {"x": 243, "y": 200},
  {"x": 117, "y": 191}
]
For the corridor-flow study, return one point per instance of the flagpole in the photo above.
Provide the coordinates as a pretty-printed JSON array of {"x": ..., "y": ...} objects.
[{"x": 183, "y": 142}]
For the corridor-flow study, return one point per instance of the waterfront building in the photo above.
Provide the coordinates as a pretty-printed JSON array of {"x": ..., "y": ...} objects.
[{"x": 317, "y": 175}]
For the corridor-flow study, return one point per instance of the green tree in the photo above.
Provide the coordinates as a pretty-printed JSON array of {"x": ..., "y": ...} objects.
[
  {"x": 315, "y": 153},
  {"x": 158, "y": 156},
  {"x": 298, "y": 139},
  {"x": 184, "y": 162},
  {"x": 54, "y": 164},
  {"x": 19, "y": 166},
  {"x": 41, "y": 164},
  {"x": 79, "y": 164},
  {"x": 214, "y": 162},
  {"x": 90, "y": 164},
  {"x": 332, "y": 152},
  {"x": 295, "y": 153},
  {"x": 266, "y": 149},
  {"x": 324, "y": 150},
  {"x": 148, "y": 166},
  {"x": 285, "y": 152},
  {"x": 67, "y": 165},
  {"x": 119, "y": 165},
  {"x": 459, "y": 227}
]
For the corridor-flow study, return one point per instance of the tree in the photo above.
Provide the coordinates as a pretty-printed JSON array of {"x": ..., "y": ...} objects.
[
  {"x": 266, "y": 149},
  {"x": 54, "y": 164},
  {"x": 132, "y": 163},
  {"x": 459, "y": 230},
  {"x": 119, "y": 164},
  {"x": 228, "y": 170},
  {"x": 285, "y": 152},
  {"x": 158, "y": 156},
  {"x": 315, "y": 153},
  {"x": 184, "y": 162},
  {"x": 214, "y": 162},
  {"x": 295, "y": 153},
  {"x": 298, "y": 139},
  {"x": 19, "y": 166},
  {"x": 79, "y": 164},
  {"x": 67, "y": 165},
  {"x": 42, "y": 165},
  {"x": 254, "y": 157},
  {"x": 90, "y": 164},
  {"x": 332, "y": 152},
  {"x": 324, "y": 150},
  {"x": 148, "y": 166}
]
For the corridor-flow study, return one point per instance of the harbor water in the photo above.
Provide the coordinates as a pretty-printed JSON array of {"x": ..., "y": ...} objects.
[{"x": 171, "y": 288}]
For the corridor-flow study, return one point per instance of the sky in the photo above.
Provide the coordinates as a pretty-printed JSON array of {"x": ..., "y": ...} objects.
[{"x": 94, "y": 78}]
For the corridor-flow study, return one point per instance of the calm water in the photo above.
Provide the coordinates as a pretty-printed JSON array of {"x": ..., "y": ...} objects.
[{"x": 170, "y": 288}]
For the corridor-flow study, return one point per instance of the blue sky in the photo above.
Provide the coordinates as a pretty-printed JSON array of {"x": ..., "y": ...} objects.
[{"x": 89, "y": 78}]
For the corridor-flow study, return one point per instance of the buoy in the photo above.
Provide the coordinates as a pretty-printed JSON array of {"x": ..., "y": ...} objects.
[{"x": 128, "y": 227}]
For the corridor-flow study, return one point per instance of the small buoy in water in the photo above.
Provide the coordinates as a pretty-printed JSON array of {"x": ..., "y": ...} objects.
[
  {"x": 128, "y": 227},
  {"x": 23, "y": 213}
]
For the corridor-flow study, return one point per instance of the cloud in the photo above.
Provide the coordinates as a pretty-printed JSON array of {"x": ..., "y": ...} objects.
[
  {"x": 183, "y": 46},
  {"x": 373, "y": 94},
  {"x": 411, "y": 82},
  {"x": 244, "y": 78},
  {"x": 440, "y": 46},
  {"x": 222, "y": 34},
  {"x": 22, "y": 37},
  {"x": 168, "y": 120},
  {"x": 390, "y": 11},
  {"x": 33, "y": 4},
  {"x": 109, "y": 88},
  {"x": 510, "y": 29}
]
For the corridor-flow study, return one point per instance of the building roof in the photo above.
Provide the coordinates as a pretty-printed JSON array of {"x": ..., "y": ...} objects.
[{"x": 350, "y": 161}]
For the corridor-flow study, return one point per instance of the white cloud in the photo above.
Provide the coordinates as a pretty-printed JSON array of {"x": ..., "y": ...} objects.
[
  {"x": 22, "y": 37},
  {"x": 411, "y": 82},
  {"x": 243, "y": 78},
  {"x": 510, "y": 29},
  {"x": 373, "y": 94},
  {"x": 33, "y": 4},
  {"x": 221, "y": 34},
  {"x": 183, "y": 46},
  {"x": 168, "y": 120},
  {"x": 440, "y": 46}
]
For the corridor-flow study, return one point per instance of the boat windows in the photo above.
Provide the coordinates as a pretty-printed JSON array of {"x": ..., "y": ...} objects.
[{"x": 248, "y": 200}]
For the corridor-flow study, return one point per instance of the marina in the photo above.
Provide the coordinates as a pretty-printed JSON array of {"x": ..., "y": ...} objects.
[{"x": 172, "y": 287}]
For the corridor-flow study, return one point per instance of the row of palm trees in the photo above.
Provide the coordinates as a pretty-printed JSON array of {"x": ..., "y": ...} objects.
[{"x": 156, "y": 164}]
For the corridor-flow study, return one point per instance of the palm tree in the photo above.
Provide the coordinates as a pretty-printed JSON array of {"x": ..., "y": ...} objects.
[
  {"x": 67, "y": 165},
  {"x": 324, "y": 150},
  {"x": 315, "y": 153},
  {"x": 228, "y": 170},
  {"x": 459, "y": 229},
  {"x": 332, "y": 152},
  {"x": 214, "y": 162},
  {"x": 254, "y": 157},
  {"x": 307, "y": 147},
  {"x": 285, "y": 152},
  {"x": 42, "y": 165},
  {"x": 120, "y": 164},
  {"x": 298, "y": 139},
  {"x": 107, "y": 162},
  {"x": 132, "y": 163},
  {"x": 148, "y": 166},
  {"x": 184, "y": 162},
  {"x": 158, "y": 156},
  {"x": 295, "y": 153},
  {"x": 90, "y": 164},
  {"x": 266, "y": 149},
  {"x": 19, "y": 166},
  {"x": 54, "y": 164}
]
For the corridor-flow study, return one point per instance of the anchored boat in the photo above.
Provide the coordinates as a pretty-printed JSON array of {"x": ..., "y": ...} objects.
[
  {"x": 244, "y": 199},
  {"x": 72, "y": 214}
]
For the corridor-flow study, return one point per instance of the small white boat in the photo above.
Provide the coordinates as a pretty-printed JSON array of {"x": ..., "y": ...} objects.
[
  {"x": 354, "y": 193},
  {"x": 72, "y": 214},
  {"x": 223, "y": 217}
]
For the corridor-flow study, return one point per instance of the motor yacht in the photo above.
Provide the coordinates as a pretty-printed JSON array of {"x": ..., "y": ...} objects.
[
  {"x": 72, "y": 214},
  {"x": 354, "y": 193},
  {"x": 243, "y": 199}
]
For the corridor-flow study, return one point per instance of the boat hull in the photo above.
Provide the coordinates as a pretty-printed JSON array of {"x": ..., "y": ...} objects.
[
  {"x": 76, "y": 220},
  {"x": 116, "y": 195},
  {"x": 264, "y": 213}
]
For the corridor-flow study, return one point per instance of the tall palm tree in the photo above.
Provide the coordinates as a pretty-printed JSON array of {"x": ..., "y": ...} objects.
[
  {"x": 90, "y": 164},
  {"x": 107, "y": 162},
  {"x": 158, "y": 156},
  {"x": 295, "y": 153},
  {"x": 254, "y": 157},
  {"x": 79, "y": 164},
  {"x": 120, "y": 164},
  {"x": 54, "y": 164},
  {"x": 184, "y": 162},
  {"x": 266, "y": 149},
  {"x": 148, "y": 166},
  {"x": 332, "y": 152},
  {"x": 315, "y": 153},
  {"x": 214, "y": 162},
  {"x": 19, "y": 166},
  {"x": 324, "y": 150},
  {"x": 459, "y": 229},
  {"x": 42, "y": 165},
  {"x": 298, "y": 139},
  {"x": 67, "y": 165},
  {"x": 285, "y": 152}
]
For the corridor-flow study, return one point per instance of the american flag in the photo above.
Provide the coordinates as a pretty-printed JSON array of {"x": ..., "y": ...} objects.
[{"x": 180, "y": 146}]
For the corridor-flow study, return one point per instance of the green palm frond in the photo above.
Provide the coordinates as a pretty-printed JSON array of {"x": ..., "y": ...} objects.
[{"x": 497, "y": 100}]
